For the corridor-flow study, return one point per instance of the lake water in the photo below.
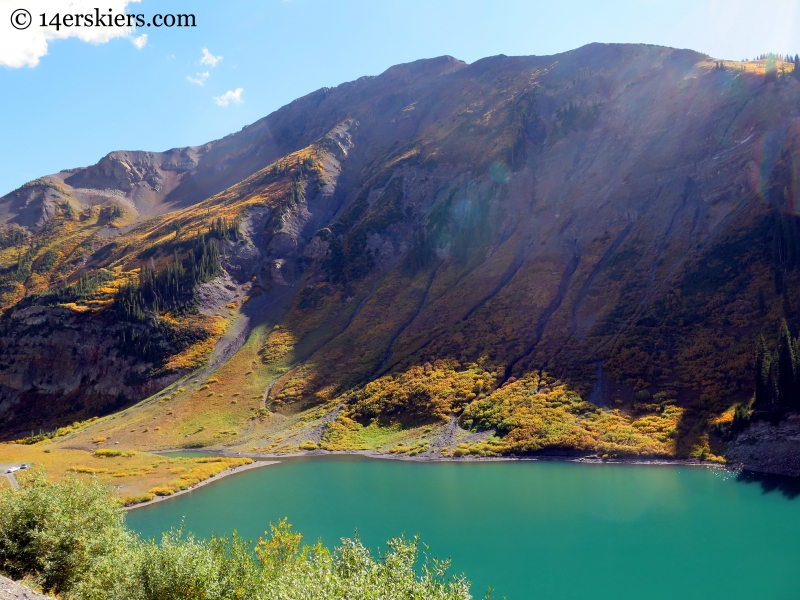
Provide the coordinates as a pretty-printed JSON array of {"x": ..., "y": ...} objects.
[{"x": 541, "y": 530}]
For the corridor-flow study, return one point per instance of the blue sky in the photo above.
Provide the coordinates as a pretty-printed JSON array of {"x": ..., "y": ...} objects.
[{"x": 85, "y": 99}]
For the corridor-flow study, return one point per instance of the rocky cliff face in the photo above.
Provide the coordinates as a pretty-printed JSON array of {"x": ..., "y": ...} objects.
[
  {"x": 59, "y": 366},
  {"x": 609, "y": 215}
]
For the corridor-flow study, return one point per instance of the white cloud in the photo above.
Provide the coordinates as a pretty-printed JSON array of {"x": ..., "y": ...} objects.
[
  {"x": 228, "y": 97},
  {"x": 199, "y": 80},
  {"x": 140, "y": 42},
  {"x": 24, "y": 48},
  {"x": 209, "y": 59}
]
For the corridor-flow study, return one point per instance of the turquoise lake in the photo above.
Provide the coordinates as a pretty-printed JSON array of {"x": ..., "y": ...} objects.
[{"x": 540, "y": 530}]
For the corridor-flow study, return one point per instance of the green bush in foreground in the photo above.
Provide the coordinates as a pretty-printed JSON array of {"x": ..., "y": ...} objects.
[
  {"x": 70, "y": 537},
  {"x": 57, "y": 531}
]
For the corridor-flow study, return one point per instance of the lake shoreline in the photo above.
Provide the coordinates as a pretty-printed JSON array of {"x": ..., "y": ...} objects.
[
  {"x": 262, "y": 460},
  {"x": 582, "y": 459},
  {"x": 227, "y": 472}
]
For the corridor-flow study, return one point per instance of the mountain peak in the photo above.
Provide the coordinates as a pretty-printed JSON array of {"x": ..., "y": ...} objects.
[{"x": 594, "y": 239}]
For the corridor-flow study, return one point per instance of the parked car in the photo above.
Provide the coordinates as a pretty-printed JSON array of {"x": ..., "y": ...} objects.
[
  {"x": 12, "y": 469},
  {"x": 23, "y": 466}
]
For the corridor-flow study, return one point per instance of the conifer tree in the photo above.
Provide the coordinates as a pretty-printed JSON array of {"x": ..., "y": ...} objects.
[
  {"x": 762, "y": 364},
  {"x": 786, "y": 365},
  {"x": 173, "y": 288},
  {"x": 777, "y": 375}
]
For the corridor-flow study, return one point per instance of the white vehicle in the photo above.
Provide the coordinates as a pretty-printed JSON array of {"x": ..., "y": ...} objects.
[{"x": 12, "y": 469}]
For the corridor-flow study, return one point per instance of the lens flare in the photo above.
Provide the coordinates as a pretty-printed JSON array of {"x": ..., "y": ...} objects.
[
  {"x": 500, "y": 172},
  {"x": 792, "y": 203},
  {"x": 766, "y": 152}
]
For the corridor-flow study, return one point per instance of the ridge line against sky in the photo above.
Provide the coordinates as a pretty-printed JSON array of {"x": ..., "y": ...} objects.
[{"x": 155, "y": 89}]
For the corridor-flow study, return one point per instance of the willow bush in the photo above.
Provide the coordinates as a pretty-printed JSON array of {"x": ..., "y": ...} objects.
[{"x": 70, "y": 537}]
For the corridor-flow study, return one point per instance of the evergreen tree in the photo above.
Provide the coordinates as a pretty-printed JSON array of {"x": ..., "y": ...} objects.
[
  {"x": 772, "y": 384},
  {"x": 786, "y": 365},
  {"x": 171, "y": 289},
  {"x": 796, "y": 399},
  {"x": 763, "y": 359},
  {"x": 777, "y": 375},
  {"x": 223, "y": 229},
  {"x": 786, "y": 238}
]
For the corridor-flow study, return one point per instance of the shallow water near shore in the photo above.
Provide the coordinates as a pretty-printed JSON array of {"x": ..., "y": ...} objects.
[{"x": 540, "y": 530}]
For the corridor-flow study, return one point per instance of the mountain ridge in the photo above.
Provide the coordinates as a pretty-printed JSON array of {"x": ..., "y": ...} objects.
[
  {"x": 190, "y": 155},
  {"x": 491, "y": 242}
]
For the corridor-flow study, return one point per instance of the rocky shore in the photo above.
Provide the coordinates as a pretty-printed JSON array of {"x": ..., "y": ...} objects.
[
  {"x": 766, "y": 447},
  {"x": 11, "y": 590},
  {"x": 585, "y": 459}
]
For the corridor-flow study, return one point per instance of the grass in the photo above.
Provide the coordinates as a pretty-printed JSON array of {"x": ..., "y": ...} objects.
[
  {"x": 346, "y": 434},
  {"x": 531, "y": 414},
  {"x": 130, "y": 473}
]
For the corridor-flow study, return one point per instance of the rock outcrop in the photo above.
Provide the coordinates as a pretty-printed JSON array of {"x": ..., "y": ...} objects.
[
  {"x": 11, "y": 590},
  {"x": 768, "y": 447}
]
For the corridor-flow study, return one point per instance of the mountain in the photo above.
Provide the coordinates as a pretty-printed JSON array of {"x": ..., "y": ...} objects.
[{"x": 573, "y": 253}]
